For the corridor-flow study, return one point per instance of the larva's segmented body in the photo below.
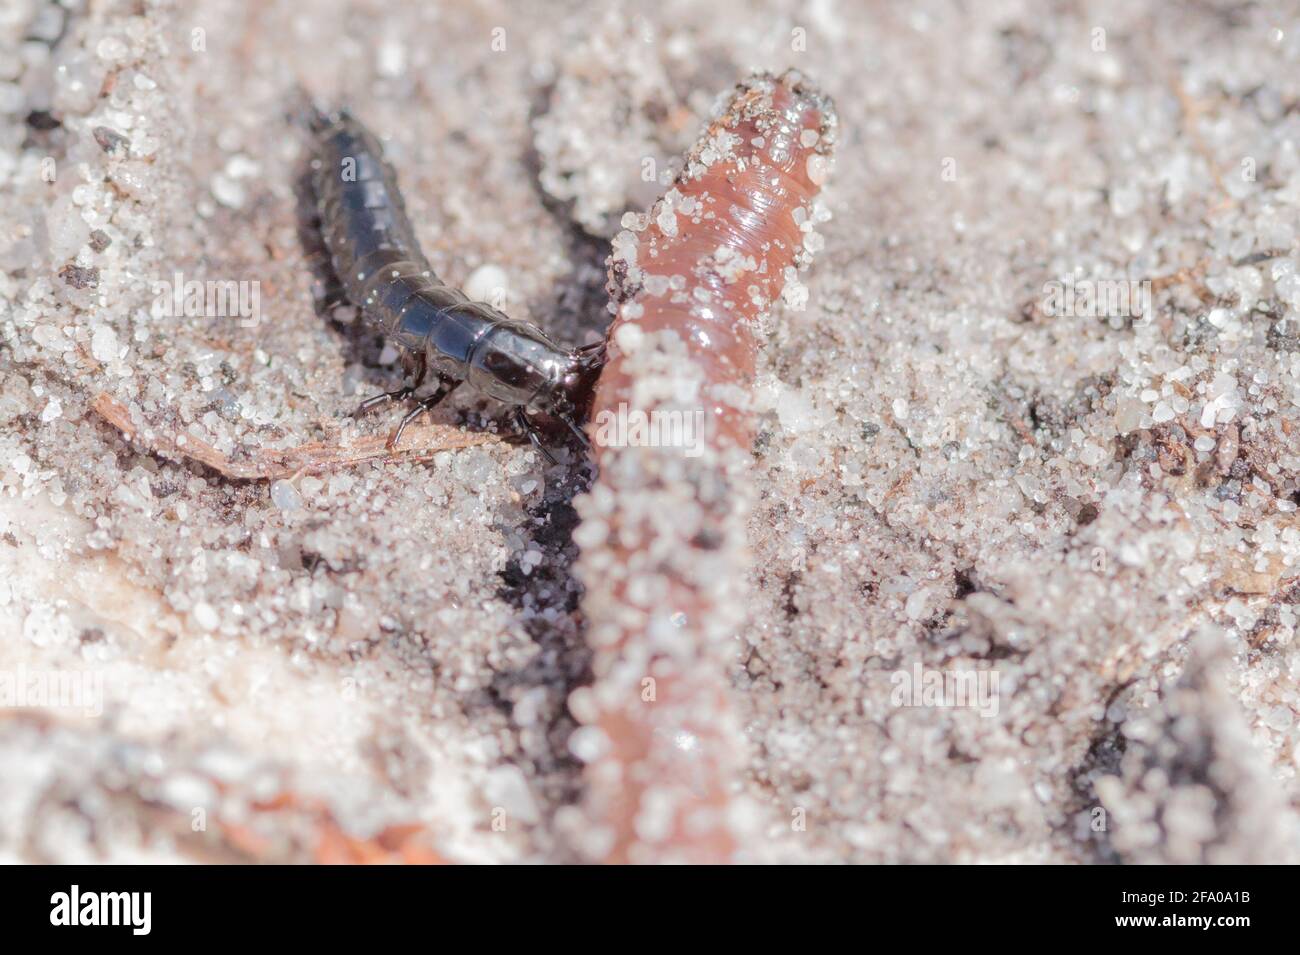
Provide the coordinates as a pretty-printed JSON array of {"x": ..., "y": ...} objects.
[{"x": 379, "y": 263}]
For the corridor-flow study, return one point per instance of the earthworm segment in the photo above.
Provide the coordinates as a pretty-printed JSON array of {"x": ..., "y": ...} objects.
[{"x": 664, "y": 559}]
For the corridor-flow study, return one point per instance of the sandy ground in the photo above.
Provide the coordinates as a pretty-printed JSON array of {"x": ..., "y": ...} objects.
[{"x": 1092, "y": 515}]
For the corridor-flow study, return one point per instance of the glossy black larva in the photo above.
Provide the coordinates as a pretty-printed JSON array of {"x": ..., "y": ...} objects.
[{"x": 377, "y": 260}]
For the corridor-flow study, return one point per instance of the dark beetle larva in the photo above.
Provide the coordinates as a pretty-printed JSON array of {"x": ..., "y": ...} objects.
[{"x": 377, "y": 259}]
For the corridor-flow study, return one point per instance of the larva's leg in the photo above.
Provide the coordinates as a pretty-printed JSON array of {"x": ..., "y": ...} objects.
[
  {"x": 577, "y": 432},
  {"x": 445, "y": 388},
  {"x": 332, "y": 298},
  {"x": 401, "y": 394},
  {"x": 530, "y": 429}
]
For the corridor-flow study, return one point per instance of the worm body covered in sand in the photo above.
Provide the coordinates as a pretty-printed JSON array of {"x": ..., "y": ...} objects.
[
  {"x": 664, "y": 558},
  {"x": 725, "y": 241}
]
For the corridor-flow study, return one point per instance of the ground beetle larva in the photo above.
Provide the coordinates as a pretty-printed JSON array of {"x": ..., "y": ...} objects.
[{"x": 375, "y": 256}]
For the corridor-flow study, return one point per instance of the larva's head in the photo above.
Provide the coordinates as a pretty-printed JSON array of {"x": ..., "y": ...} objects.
[
  {"x": 517, "y": 364},
  {"x": 571, "y": 393}
]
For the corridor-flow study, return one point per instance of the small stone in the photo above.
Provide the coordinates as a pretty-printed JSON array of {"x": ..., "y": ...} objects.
[
  {"x": 228, "y": 191},
  {"x": 508, "y": 789},
  {"x": 42, "y": 120},
  {"x": 487, "y": 283},
  {"x": 392, "y": 59},
  {"x": 47, "y": 25},
  {"x": 103, "y": 343},
  {"x": 79, "y": 277},
  {"x": 68, "y": 230},
  {"x": 1092, "y": 455},
  {"x": 285, "y": 496},
  {"x": 205, "y": 616},
  {"x": 111, "y": 141},
  {"x": 111, "y": 50}
]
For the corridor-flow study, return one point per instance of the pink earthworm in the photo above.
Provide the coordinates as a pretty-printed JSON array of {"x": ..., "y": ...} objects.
[{"x": 664, "y": 558}]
